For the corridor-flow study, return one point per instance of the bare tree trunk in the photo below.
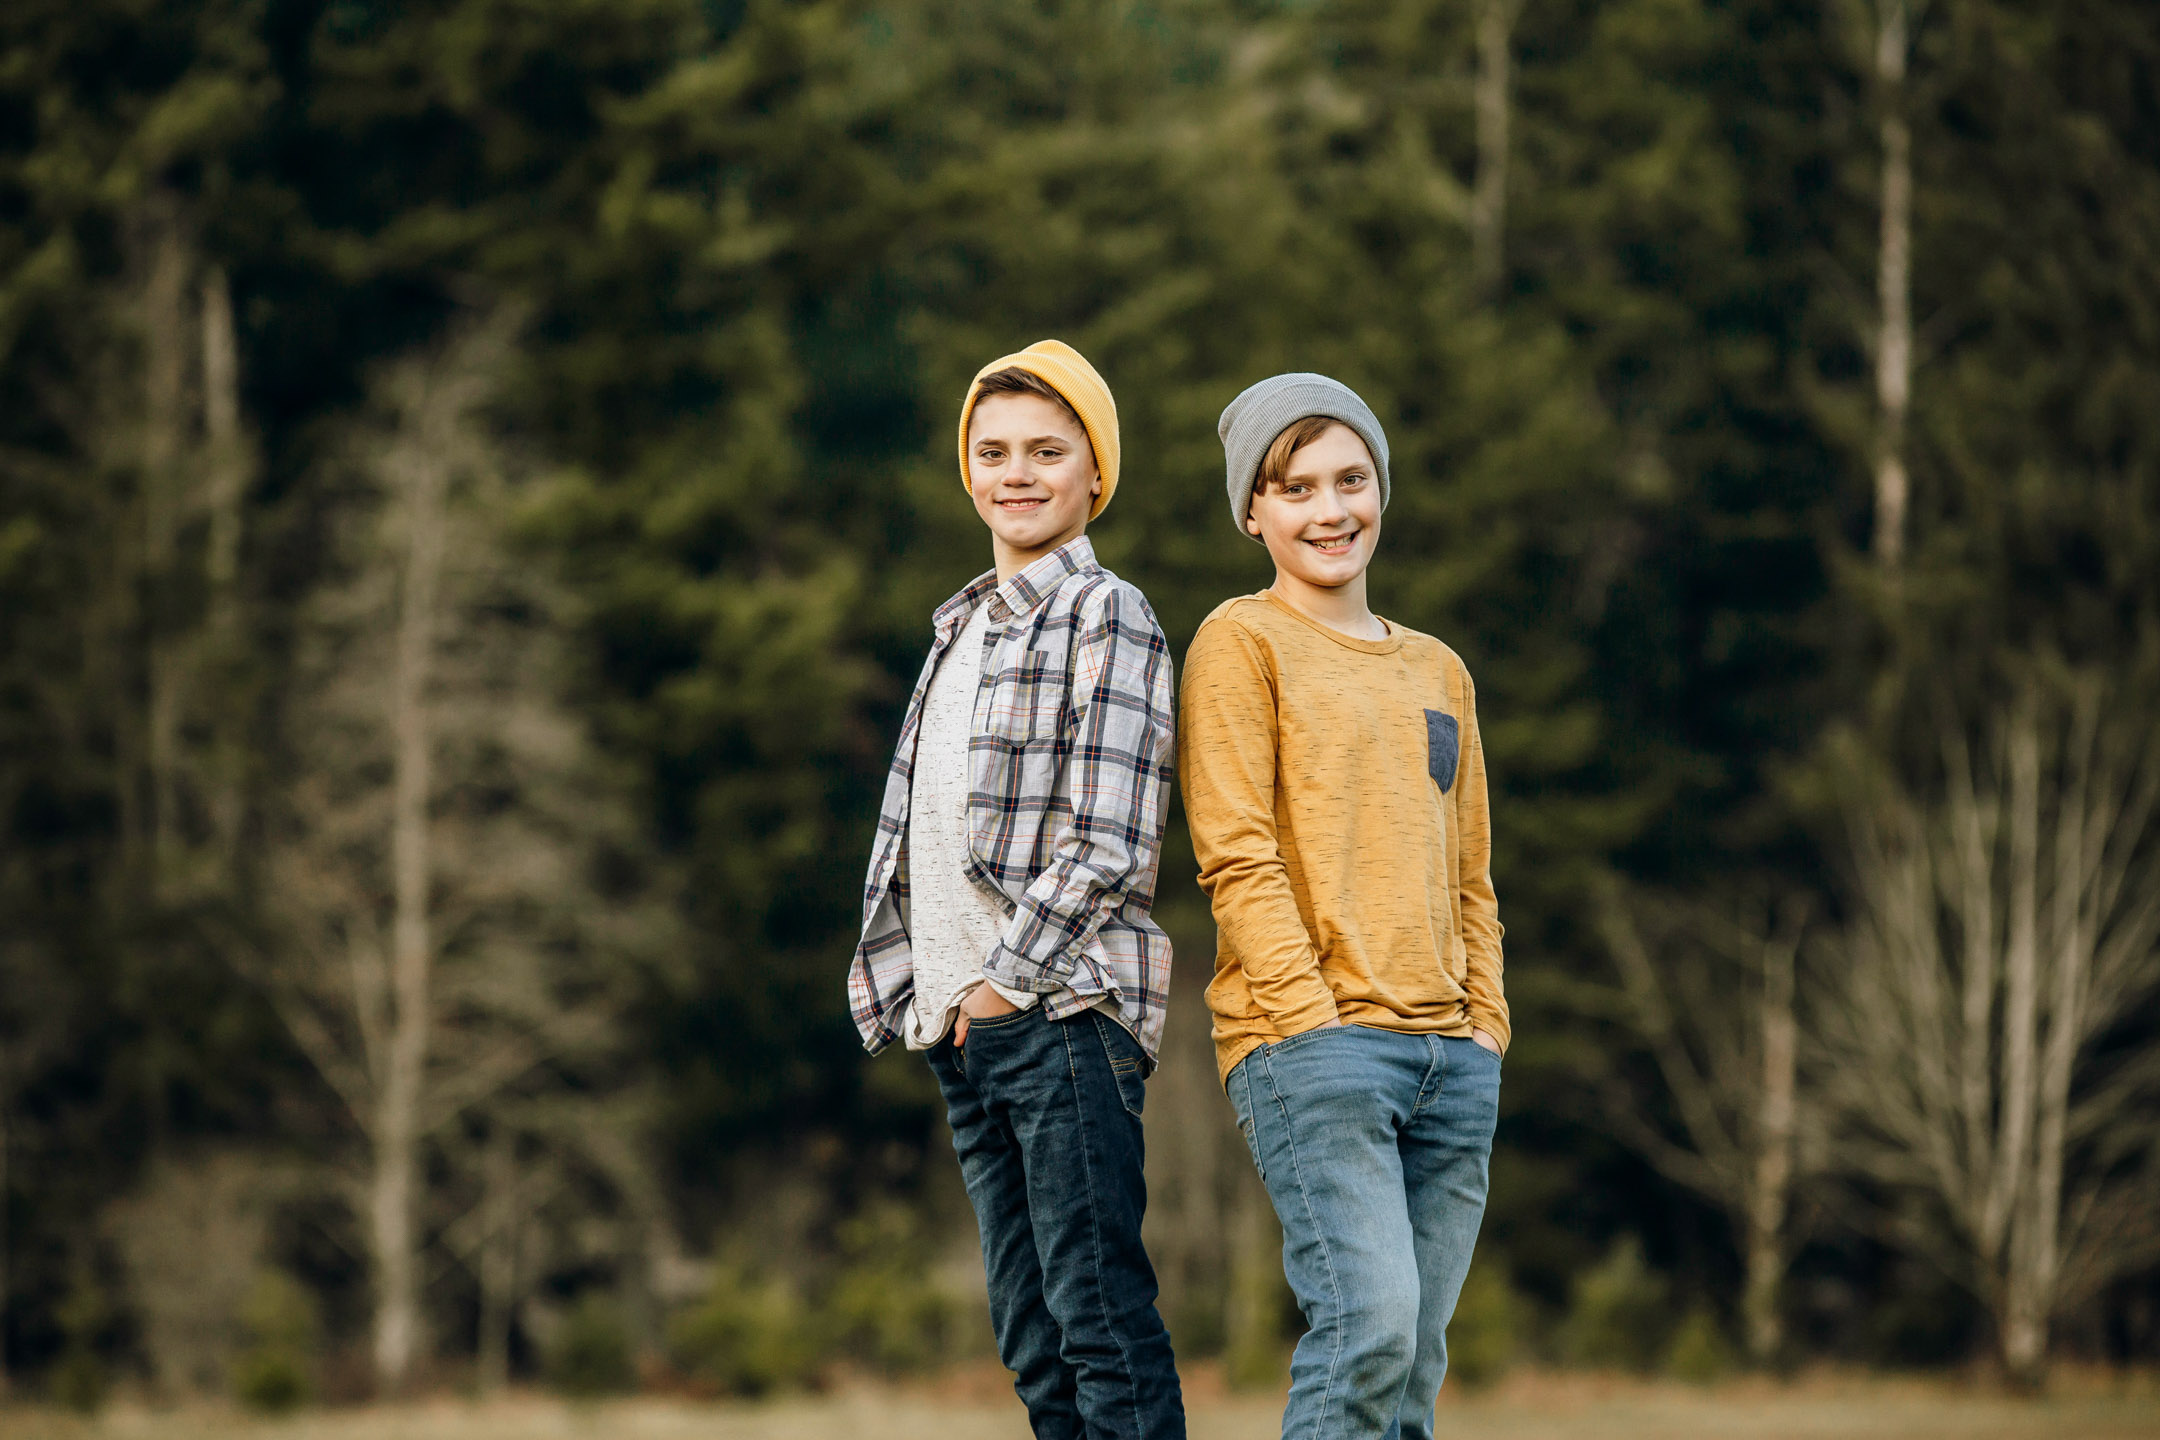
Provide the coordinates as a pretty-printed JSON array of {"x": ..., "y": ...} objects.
[
  {"x": 1972, "y": 880},
  {"x": 228, "y": 466},
  {"x": 159, "y": 327},
  {"x": 397, "y": 1139},
  {"x": 412, "y": 674},
  {"x": 2035, "y": 1250},
  {"x": 1253, "y": 1308},
  {"x": 498, "y": 1264},
  {"x": 1770, "y": 1196},
  {"x": 1893, "y": 287},
  {"x": 2049, "y": 825},
  {"x": 1732, "y": 1073},
  {"x": 2010, "y": 1217},
  {"x": 165, "y": 435},
  {"x": 1488, "y": 201},
  {"x": 2072, "y": 947}
]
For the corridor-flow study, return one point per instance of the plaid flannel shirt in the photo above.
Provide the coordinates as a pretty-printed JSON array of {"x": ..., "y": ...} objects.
[{"x": 1069, "y": 769}]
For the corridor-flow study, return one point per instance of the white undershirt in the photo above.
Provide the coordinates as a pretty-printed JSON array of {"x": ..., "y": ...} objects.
[{"x": 953, "y": 923}]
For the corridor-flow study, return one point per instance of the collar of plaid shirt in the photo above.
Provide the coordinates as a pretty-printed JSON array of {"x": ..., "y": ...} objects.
[
  {"x": 1068, "y": 801},
  {"x": 1017, "y": 596}
]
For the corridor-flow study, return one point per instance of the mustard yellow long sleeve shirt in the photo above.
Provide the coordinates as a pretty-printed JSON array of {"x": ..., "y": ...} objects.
[{"x": 1336, "y": 793}]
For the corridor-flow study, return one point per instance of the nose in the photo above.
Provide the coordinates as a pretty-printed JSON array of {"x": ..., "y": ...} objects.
[{"x": 1332, "y": 510}]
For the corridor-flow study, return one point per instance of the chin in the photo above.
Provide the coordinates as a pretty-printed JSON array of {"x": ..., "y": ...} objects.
[
  {"x": 1024, "y": 537},
  {"x": 1325, "y": 577}
]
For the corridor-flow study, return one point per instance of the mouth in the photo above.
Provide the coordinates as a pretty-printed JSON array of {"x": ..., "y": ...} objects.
[
  {"x": 1020, "y": 506},
  {"x": 1335, "y": 544}
]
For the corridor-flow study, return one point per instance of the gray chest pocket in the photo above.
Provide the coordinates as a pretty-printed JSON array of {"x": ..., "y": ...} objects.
[{"x": 1443, "y": 743}]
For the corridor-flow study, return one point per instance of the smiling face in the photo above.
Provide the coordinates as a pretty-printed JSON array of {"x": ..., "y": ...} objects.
[
  {"x": 1322, "y": 523},
  {"x": 1032, "y": 474}
]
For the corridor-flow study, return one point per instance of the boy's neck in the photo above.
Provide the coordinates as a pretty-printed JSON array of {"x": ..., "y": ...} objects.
[
  {"x": 1340, "y": 607},
  {"x": 1010, "y": 561}
]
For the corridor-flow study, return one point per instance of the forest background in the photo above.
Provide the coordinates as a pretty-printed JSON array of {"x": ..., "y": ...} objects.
[{"x": 474, "y": 475}]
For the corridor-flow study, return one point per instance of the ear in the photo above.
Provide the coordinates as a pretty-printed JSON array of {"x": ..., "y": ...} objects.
[{"x": 1252, "y": 526}]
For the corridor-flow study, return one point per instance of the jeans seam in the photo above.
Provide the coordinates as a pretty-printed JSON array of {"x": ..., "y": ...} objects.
[
  {"x": 1435, "y": 1071},
  {"x": 1253, "y": 1121},
  {"x": 1327, "y": 1256},
  {"x": 1095, "y": 1229}
]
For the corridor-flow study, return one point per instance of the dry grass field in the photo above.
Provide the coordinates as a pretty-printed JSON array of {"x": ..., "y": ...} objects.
[{"x": 1527, "y": 1407}]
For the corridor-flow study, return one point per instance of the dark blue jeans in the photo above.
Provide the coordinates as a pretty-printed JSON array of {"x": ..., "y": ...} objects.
[
  {"x": 1374, "y": 1147},
  {"x": 1045, "y": 1117}
]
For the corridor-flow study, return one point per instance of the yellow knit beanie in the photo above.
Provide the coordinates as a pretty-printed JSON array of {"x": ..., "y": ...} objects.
[{"x": 1066, "y": 371}]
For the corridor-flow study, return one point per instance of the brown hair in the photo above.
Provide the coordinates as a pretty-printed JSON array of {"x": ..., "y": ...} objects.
[
  {"x": 1012, "y": 380},
  {"x": 1295, "y": 436}
]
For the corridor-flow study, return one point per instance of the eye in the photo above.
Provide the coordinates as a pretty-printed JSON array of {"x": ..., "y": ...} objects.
[{"x": 1352, "y": 479}]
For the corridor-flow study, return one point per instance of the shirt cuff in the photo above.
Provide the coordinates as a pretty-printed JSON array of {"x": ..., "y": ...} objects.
[{"x": 1015, "y": 974}]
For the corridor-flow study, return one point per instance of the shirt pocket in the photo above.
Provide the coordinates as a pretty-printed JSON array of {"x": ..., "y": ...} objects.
[
  {"x": 1027, "y": 699},
  {"x": 1443, "y": 746}
]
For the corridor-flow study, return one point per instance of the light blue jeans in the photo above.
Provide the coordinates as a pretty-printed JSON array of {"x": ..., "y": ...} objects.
[{"x": 1375, "y": 1148}]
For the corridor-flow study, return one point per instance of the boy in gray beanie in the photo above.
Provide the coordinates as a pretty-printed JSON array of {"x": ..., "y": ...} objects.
[{"x": 1334, "y": 781}]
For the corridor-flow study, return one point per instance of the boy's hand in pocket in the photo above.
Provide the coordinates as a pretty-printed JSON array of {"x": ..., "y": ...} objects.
[{"x": 982, "y": 1003}]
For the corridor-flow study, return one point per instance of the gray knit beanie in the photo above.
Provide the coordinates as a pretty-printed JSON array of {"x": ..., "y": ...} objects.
[{"x": 1251, "y": 422}]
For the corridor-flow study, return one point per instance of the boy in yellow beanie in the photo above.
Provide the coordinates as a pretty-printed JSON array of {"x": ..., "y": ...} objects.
[{"x": 1006, "y": 931}]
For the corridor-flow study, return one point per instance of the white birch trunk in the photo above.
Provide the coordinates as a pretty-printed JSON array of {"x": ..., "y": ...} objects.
[
  {"x": 1893, "y": 287},
  {"x": 424, "y": 480},
  {"x": 1493, "y": 104}
]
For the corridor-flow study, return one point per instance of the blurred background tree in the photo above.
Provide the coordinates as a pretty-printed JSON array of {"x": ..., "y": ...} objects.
[{"x": 1770, "y": 390}]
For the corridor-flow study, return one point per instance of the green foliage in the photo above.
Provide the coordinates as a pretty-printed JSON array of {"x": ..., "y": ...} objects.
[
  {"x": 1699, "y": 1351},
  {"x": 274, "y": 1382},
  {"x": 762, "y": 245},
  {"x": 591, "y": 1353},
  {"x": 882, "y": 1305},
  {"x": 282, "y": 1323},
  {"x": 750, "y": 1335},
  {"x": 1485, "y": 1337},
  {"x": 1619, "y": 1314},
  {"x": 79, "y": 1381}
]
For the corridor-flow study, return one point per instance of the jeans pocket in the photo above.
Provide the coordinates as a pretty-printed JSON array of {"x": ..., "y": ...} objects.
[
  {"x": 1123, "y": 1053},
  {"x": 1305, "y": 1037},
  {"x": 1443, "y": 745},
  {"x": 1001, "y": 1022}
]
